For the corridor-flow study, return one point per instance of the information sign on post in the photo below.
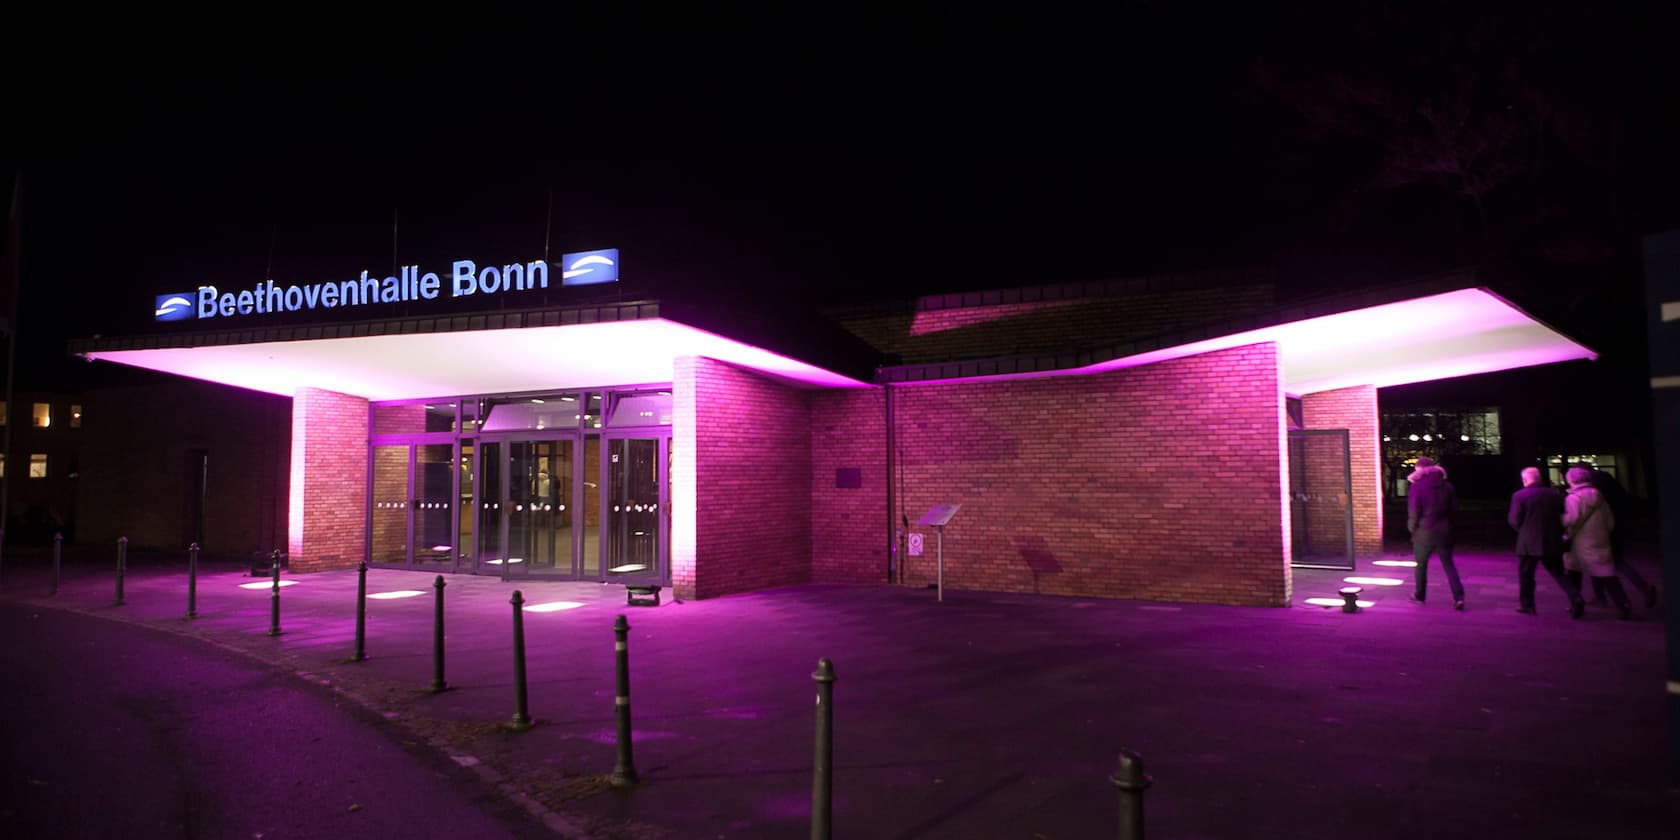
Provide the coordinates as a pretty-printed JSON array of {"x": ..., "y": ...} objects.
[{"x": 937, "y": 516}]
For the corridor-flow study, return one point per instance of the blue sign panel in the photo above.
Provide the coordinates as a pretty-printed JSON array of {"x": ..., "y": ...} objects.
[
  {"x": 586, "y": 268},
  {"x": 176, "y": 307}
]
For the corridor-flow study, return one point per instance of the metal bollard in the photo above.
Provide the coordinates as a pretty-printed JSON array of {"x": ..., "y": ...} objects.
[
  {"x": 1131, "y": 781},
  {"x": 122, "y": 564},
  {"x": 274, "y": 598},
  {"x": 58, "y": 543},
  {"x": 624, "y": 772},
  {"x": 521, "y": 709},
  {"x": 192, "y": 581},
  {"x": 361, "y": 613},
  {"x": 437, "y": 640},
  {"x": 822, "y": 773}
]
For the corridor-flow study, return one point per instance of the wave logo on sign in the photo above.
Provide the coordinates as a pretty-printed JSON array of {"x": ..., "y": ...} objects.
[
  {"x": 176, "y": 307},
  {"x": 586, "y": 268}
]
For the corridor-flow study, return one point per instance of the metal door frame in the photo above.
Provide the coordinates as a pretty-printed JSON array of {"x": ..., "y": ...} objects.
[
  {"x": 1347, "y": 491},
  {"x": 661, "y": 435},
  {"x": 413, "y": 442},
  {"x": 505, "y": 455}
]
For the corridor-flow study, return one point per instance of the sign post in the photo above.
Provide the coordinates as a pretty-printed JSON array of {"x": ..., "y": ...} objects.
[{"x": 937, "y": 516}]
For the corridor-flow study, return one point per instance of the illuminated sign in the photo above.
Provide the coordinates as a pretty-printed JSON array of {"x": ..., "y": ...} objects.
[
  {"x": 586, "y": 268},
  {"x": 465, "y": 279}
]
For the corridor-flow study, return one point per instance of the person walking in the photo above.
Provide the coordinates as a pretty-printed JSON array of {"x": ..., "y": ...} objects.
[
  {"x": 1588, "y": 522},
  {"x": 1431, "y": 506},
  {"x": 1616, "y": 497},
  {"x": 1536, "y": 515}
]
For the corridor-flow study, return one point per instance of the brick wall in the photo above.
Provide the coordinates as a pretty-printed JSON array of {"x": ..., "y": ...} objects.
[
  {"x": 135, "y": 458},
  {"x": 327, "y": 528},
  {"x": 1163, "y": 482},
  {"x": 743, "y": 520},
  {"x": 1355, "y": 409},
  {"x": 849, "y": 527}
]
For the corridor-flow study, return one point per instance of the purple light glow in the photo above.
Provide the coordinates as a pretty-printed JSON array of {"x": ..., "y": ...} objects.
[{"x": 421, "y": 365}]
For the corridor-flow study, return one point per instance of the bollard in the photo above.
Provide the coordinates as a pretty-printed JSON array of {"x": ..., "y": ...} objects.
[
  {"x": 624, "y": 773},
  {"x": 274, "y": 599},
  {"x": 822, "y": 773},
  {"x": 521, "y": 711},
  {"x": 437, "y": 640},
  {"x": 361, "y": 613},
  {"x": 1131, "y": 781},
  {"x": 58, "y": 542},
  {"x": 1350, "y": 598},
  {"x": 122, "y": 563},
  {"x": 192, "y": 581}
]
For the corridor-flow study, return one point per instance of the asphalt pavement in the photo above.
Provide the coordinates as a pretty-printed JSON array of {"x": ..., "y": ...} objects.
[{"x": 982, "y": 715}]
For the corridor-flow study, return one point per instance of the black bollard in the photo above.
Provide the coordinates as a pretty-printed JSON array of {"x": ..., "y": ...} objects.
[
  {"x": 122, "y": 564},
  {"x": 521, "y": 710},
  {"x": 274, "y": 598},
  {"x": 1131, "y": 781},
  {"x": 822, "y": 773},
  {"x": 58, "y": 543},
  {"x": 437, "y": 640},
  {"x": 624, "y": 772},
  {"x": 361, "y": 613},
  {"x": 192, "y": 581}
]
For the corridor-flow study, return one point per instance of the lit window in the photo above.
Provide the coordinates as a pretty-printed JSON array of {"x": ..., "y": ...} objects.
[
  {"x": 2, "y": 466},
  {"x": 43, "y": 415},
  {"x": 3, "y": 414},
  {"x": 75, "y": 417},
  {"x": 37, "y": 465}
]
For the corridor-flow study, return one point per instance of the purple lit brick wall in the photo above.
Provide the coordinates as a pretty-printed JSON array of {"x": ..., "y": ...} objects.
[
  {"x": 1355, "y": 409},
  {"x": 849, "y": 530},
  {"x": 750, "y": 525},
  {"x": 1162, "y": 482},
  {"x": 328, "y": 528}
]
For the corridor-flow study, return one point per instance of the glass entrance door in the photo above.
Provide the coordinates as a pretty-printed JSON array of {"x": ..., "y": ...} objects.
[
  {"x": 538, "y": 509},
  {"x": 414, "y": 503},
  {"x": 636, "y": 506}
]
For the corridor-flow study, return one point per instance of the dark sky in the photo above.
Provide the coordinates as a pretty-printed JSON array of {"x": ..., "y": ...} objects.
[{"x": 845, "y": 158}]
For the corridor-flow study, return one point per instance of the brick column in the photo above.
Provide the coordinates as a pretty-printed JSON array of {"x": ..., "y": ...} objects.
[
  {"x": 1355, "y": 409},
  {"x": 327, "y": 519}
]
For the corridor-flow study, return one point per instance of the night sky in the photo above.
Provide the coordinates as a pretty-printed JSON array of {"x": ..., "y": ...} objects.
[{"x": 841, "y": 159}]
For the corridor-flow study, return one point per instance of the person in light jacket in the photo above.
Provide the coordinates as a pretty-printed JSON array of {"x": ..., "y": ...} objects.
[
  {"x": 1588, "y": 522},
  {"x": 1431, "y": 505}
]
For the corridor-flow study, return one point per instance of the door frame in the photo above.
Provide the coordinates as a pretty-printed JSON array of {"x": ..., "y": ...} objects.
[
  {"x": 504, "y": 455},
  {"x": 413, "y": 442},
  {"x": 661, "y": 435}
]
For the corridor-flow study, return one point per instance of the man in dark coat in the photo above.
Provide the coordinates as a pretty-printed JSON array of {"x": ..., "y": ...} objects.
[
  {"x": 1431, "y": 506},
  {"x": 1537, "y": 516}
]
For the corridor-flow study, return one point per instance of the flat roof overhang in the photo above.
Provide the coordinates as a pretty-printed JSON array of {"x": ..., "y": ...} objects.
[
  {"x": 1441, "y": 336},
  {"x": 486, "y": 353}
]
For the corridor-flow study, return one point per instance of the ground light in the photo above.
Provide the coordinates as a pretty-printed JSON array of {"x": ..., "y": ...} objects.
[
  {"x": 267, "y": 584},
  {"x": 553, "y": 606},
  {"x": 1373, "y": 581},
  {"x": 395, "y": 593},
  {"x": 1350, "y": 595},
  {"x": 1337, "y": 602},
  {"x": 1407, "y": 564}
]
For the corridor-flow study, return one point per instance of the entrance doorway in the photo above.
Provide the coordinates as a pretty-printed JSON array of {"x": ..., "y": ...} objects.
[{"x": 1320, "y": 499}]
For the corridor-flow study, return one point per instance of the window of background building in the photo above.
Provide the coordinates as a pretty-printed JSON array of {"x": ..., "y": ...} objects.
[
  {"x": 1406, "y": 435},
  {"x": 2, "y": 414},
  {"x": 43, "y": 415},
  {"x": 37, "y": 465},
  {"x": 2, "y": 466},
  {"x": 75, "y": 417}
]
